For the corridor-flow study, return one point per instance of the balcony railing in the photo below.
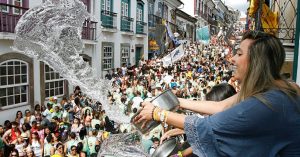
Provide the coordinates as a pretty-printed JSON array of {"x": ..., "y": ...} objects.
[
  {"x": 141, "y": 27},
  {"x": 9, "y": 17},
  {"x": 154, "y": 20},
  {"x": 109, "y": 19},
  {"x": 126, "y": 24},
  {"x": 89, "y": 30}
]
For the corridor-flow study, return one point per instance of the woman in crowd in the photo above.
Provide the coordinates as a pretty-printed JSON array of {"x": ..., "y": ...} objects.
[
  {"x": 21, "y": 146},
  {"x": 30, "y": 152},
  {"x": 59, "y": 152},
  {"x": 19, "y": 116},
  {"x": 36, "y": 144},
  {"x": 84, "y": 140},
  {"x": 76, "y": 126},
  {"x": 263, "y": 119},
  {"x": 14, "y": 153},
  {"x": 48, "y": 147},
  {"x": 73, "y": 152}
]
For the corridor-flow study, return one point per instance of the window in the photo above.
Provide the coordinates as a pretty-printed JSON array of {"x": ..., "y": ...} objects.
[
  {"x": 106, "y": 5},
  {"x": 125, "y": 55},
  {"x": 151, "y": 7},
  {"x": 160, "y": 9},
  {"x": 4, "y": 8},
  {"x": 165, "y": 12},
  {"x": 13, "y": 83},
  {"x": 107, "y": 57},
  {"x": 139, "y": 14},
  {"x": 54, "y": 84},
  {"x": 19, "y": 4},
  {"x": 124, "y": 9}
]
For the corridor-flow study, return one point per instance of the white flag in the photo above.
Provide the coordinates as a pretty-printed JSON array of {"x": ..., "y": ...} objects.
[
  {"x": 177, "y": 54},
  {"x": 167, "y": 60},
  {"x": 174, "y": 56}
]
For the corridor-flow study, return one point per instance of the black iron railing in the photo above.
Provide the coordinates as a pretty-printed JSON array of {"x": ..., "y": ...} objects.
[
  {"x": 287, "y": 15},
  {"x": 9, "y": 17}
]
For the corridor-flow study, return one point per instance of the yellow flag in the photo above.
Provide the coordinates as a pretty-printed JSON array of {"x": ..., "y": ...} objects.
[
  {"x": 269, "y": 20},
  {"x": 253, "y": 8}
]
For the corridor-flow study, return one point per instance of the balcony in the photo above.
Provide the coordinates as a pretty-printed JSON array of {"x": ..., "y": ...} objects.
[
  {"x": 109, "y": 19},
  {"x": 154, "y": 20},
  {"x": 126, "y": 24},
  {"x": 89, "y": 30},
  {"x": 9, "y": 17},
  {"x": 141, "y": 27}
]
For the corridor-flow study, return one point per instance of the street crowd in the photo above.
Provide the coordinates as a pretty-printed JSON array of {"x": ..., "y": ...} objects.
[{"x": 76, "y": 125}]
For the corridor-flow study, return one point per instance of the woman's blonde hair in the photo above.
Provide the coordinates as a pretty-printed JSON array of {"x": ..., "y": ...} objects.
[{"x": 266, "y": 58}]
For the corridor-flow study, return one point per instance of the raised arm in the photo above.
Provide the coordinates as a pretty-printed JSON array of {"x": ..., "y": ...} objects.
[{"x": 208, "y": 107}]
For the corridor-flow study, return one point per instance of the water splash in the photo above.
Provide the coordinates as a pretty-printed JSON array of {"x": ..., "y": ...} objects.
[
  {"x": 51, "y": 33},
  {"x": 125, "y": 145}
]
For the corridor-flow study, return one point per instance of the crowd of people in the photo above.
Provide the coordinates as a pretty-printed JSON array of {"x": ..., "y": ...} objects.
[
  {"x": 262, "y": 119},
  {"x": 77, "y": 125}
]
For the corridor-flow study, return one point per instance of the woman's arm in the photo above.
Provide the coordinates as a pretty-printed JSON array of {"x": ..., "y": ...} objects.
[
  {"x": 174, "y": 119},
  {"x": 208, "y": 107}
]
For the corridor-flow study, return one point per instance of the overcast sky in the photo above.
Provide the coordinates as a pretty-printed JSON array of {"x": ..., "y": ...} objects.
[{"x": 241, "y": 5}]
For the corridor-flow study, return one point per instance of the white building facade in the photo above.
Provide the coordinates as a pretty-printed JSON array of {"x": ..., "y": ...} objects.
[{"x": 117, "y": 37}]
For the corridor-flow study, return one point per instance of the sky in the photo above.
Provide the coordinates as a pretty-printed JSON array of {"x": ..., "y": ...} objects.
[{"x": 241, "y": 5}]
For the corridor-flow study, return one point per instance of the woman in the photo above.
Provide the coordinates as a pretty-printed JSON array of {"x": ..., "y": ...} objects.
[
  {"x": 87, "y": 117},
  {"x": 73, "y": 152},
  {"x": 30, "y": 152},
  {"x": 28, "y": 118},
  {"x": 20, "y": 146},
  {"x": 80, "y": 150},
  {"x": 14, "y": 153},
  {"x": 36, "y": 145},
  {"x": 48, "y": 147},
  {"x": 76, "y": 126},
  {"x": 19, "y": 116},
  {"x": 263, "y": 119},
  {"x": 37, "y": 108},
  {"x": 83, "y": 138},
  {"x": 59, "y": 152}
]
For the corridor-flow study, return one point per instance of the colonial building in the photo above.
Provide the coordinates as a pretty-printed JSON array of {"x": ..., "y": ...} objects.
[
  {"x": 185, "y": 25},
  {"x": 118, "y": 36},
  {"x": 159, "y": 13}
]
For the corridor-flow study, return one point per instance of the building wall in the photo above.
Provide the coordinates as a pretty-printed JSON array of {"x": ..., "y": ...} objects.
[{"x": 119, "y": 37}]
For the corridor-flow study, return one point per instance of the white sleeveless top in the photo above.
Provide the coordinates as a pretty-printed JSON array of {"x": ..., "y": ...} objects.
[{"x": 36, "y": 147}]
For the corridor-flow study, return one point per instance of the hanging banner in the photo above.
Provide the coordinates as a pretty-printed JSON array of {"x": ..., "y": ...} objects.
[
  {"x": 174, "y": 56},
  {"x": 203, "y": 35}
]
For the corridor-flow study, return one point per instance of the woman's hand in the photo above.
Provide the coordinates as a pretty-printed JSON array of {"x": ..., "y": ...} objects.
[
  {"x": 145, "y": 113},
  {"x": 170, "y": 133}
]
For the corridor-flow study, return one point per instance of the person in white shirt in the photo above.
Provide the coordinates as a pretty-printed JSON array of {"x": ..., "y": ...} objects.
[
  {"x": 47, "y": 112},
  {"x": 137, "y": 100}
]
